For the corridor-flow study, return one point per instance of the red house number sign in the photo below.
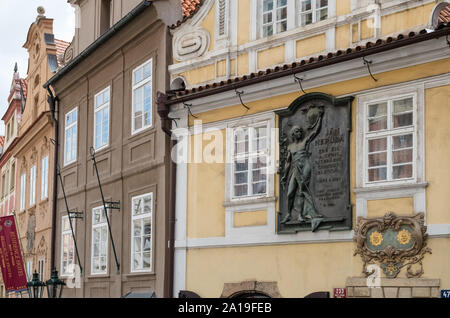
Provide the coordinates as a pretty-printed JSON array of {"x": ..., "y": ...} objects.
[{"x": 340, "y": 293}]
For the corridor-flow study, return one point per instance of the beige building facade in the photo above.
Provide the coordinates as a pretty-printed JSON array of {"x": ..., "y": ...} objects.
[
  {"x": 105, "y": 97},
  {"x": 34, "y": 150}
]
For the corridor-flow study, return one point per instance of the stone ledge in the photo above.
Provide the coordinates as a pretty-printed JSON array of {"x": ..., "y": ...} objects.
[{"x": 395, "y": 282}]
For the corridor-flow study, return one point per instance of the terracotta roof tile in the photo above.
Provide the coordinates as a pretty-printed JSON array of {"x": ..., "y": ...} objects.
[
  {"x": 444, "y": 15},
  {"x": 189, "y": 8},
  {"x": 23, "y": 84},
  {"x": 61, "y": 46},
  {"x": 296, "y": 66}
]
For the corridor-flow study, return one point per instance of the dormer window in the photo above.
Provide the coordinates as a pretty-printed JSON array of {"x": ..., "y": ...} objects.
[
  {"x": 312, "y": 11},
  {"x": 274, "y": 17}
]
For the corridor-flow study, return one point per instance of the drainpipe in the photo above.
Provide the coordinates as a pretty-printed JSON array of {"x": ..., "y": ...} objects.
[
  {"x": 54, "y": 105},
  {"x": 163, "y": 112}
]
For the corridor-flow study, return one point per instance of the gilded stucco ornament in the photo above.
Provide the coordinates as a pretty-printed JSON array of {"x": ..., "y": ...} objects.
[{"x": 393, "y": 242}]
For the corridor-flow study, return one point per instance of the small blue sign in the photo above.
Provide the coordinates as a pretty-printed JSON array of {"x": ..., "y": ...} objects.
[{"x": 445, "y": 293}]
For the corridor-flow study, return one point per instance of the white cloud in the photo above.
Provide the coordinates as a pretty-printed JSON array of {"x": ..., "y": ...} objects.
[{"x": 16, "y": 16}]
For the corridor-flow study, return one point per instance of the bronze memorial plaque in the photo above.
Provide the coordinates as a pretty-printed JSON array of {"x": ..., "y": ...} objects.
[{"x": 314, "y": 165}]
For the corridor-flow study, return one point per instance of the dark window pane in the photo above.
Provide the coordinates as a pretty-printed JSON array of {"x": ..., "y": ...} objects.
[
  {"x": 240, "y": 178},
  {"x": 259, "y": 188},
  {"x": 378, "y": 159},
  {"x": 267, "y": 5},
  {"x": 402, "y": 156},
  {"x": 281, "y": 14},
  {"x": 404, "y": 141},
  {"x": 306, "y": 5},
  {"x": 240, "y": 190},
  {"x": 281, "y": 27},
  {"x": 259, "y": 175},
  {"x": 377, "y": 174},
  {"x": 403, "y": 120},
  {"x": 268, "y": 30},
  {"x": 400, "y": 172},
  {"x": 379, "y": 123},
  {"x": 377, "y": 110},
  {"x": 322, "y": 3},
  {"x": 403, "y": 105},
  {"x": 281, "y": 3},
  {"x": 306, "y": 19},
  {"x": 377, "y": 144}
]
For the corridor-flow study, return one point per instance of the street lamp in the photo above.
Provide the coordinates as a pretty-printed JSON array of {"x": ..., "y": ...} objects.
[
  {"x": 35, "y": 287},
  {"x": 55, "y": 285}
]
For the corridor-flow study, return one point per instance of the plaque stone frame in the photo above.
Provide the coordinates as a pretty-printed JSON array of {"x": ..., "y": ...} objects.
[{"x": 314, "y": 164}]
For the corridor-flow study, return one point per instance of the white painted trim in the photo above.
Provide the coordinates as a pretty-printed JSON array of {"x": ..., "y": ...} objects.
[
  {"x": 438, "y": 230},
  {"x": 267, "y": 239},
  {"x": 419, "y": 131},
  {"x": 181, "y": 204},
  {"x": 253, "y": 21},
  {"x": 99, "y": 109},
  {"x": 269, "y": 119},
  {"x": 418, "y": 53},
  {"x": 141, "y": 84},
  {"x": 294, "y": 34},
  {"x": 75, "y": 124},
  {"x": 330, "y": 38},
  {"x": 103, "y": 224}
]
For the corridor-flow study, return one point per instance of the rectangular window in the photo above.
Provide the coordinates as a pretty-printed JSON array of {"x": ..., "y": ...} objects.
[
  {"x": 41, "y": 264},
  {"x": 23, "y": 188},
  {"x": 101, "y": 119},
  {"x": 67, "y": 248},
  {"x": 4, "y": 185},
  {"x": 12, "y": 180},
  {"x": 99, "y": 254},
  {"x": 29, "y": 268},
  {"x": 33, "y": 185},
  {"x": 250, "y": 157},
  {"x": 44, "y": 178},
  {"x": 70, "y": 136},
  {"x": 274, "y": 17},
  {"x": 312, "y": 11},
  {"x": 142, "y": 97},
  {"x": 141, "y": 233},
  {"x": 390, "y": 140}
]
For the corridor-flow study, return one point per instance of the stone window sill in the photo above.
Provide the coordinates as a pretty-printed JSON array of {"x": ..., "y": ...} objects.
[{"x": 255, "y": 200}]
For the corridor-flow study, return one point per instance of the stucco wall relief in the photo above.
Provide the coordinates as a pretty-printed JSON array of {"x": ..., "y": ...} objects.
[{"x": 191, "y": 42}]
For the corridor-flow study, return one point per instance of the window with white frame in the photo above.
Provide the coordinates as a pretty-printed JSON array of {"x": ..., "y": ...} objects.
[
  {"x": 101, "y": 119},
  {"x": 390, "y": 140},
  {"x": 99, "y": 251},
  {"x": 23, "y": 188},
  {"x": 33, "y": 185},
  {"x": 70, "y": 136},
  {"x": 142, "y": 98},
  {"x": 44, "y": 178},
  {"x": 67, "y": 248},
  {"x": 41, "y": 263},
  {"x": 250, "y": 157},
  {"x": 311, "y": 11},
  {"x": 274, "y": 17},
  {"x": 141, "y": 233}
]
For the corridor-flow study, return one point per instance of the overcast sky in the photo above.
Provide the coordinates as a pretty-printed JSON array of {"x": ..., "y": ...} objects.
[{"x": 16, "y": 17}]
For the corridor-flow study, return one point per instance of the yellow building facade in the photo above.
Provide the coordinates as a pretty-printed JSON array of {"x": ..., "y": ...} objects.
[{"x": 236, "y": 64}]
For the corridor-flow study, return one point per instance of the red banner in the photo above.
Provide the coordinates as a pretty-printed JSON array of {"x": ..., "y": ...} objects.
[{"x": 11, "y": 262}]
